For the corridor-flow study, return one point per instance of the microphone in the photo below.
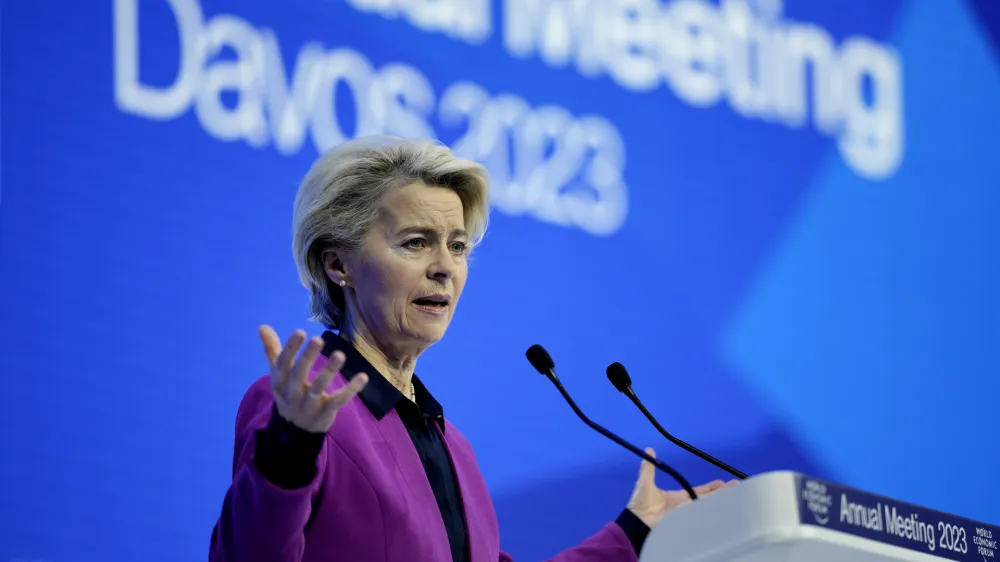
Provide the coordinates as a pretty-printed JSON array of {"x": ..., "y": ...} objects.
[
  {"x": 542, "y": 362},
  {"x": 619, "y": 377}
]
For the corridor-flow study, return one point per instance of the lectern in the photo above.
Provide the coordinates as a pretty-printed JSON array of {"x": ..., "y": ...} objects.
[{"x": 790, "y": 517}]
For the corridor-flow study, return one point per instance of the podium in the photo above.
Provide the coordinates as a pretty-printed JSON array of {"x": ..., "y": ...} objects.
[{"x": 791, "y": 517}]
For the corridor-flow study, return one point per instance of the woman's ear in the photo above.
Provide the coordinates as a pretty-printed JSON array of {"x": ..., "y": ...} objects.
[{"x": 334, "y": 266}]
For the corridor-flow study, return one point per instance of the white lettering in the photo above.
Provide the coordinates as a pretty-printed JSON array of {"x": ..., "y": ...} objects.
[
  {"x": 872, "y": 137},
  {"x": 467, "y": 20},
  {"x": 765, "y": 67},
  {"x": 808, "y": 53},
  {"x": 408, "y": 101},
  {"x": 560, "y": 31},
  {"x": 544, "y": 162},
  {"x": 633, "y": 49},
  {"x": 240, "y": 77},
  {"x": 985, "y": 544},
  {"x": 356, "y": 73},
  {"x": 289, "y": 103},
  {"x": 696, "y": 47},
  {"x": 860, "y": 515},
  {"x": 909, "y": 527},
  {"x": 156, "y": 103}
]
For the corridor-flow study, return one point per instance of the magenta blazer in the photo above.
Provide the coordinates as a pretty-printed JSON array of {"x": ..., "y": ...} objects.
[{"x": 370, "y": 500}]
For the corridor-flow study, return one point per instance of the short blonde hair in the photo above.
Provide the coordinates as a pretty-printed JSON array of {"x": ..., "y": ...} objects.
[{"x": 340, "y": 198}]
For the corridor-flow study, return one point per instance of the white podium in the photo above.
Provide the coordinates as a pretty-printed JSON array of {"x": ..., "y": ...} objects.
[{"x": 790, "y": 517}]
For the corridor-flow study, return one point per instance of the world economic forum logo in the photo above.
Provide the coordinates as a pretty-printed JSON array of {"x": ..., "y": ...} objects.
[{"x": 817, "y": 500}]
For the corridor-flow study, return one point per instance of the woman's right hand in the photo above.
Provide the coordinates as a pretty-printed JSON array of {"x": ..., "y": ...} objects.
[{"x": 304, "y": 404}]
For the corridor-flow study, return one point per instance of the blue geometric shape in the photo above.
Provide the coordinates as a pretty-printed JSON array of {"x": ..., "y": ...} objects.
[
  {"x": 988, "y": 12},
  {"x": 875, "y": 327}
]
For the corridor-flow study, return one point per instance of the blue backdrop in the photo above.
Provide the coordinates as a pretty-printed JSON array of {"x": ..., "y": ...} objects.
[{"x": 780, "y": 216}]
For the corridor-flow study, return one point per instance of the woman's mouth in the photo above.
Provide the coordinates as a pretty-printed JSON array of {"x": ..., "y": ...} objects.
[{"x": 436, "y": 305}]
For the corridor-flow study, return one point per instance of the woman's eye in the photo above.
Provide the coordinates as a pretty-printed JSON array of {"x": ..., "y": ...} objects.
[
  {"x": 458, "y": 247},
  {"x": 415, "y": 243}
]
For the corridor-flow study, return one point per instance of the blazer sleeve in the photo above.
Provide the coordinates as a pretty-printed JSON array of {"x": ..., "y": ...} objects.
[
  {"x": 619, "y": 541},
  {"x": 260, "y": 521}
]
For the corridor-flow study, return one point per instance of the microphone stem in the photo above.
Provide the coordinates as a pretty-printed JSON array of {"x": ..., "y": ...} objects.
[
  {"x": 704, "y": 456},
  {"x": 655, "y": 462}
]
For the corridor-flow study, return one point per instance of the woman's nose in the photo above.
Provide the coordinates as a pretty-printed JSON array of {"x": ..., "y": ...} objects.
[{"x": 443, "y": 267}]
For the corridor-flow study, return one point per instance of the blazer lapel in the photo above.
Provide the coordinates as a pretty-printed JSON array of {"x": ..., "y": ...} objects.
[
  {"x": 478, "y": 508},
  {"x": 426, "y": 515}
]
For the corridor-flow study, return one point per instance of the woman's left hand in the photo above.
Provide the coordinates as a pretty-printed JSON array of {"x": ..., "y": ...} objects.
[{"x": 650, "y": 503}]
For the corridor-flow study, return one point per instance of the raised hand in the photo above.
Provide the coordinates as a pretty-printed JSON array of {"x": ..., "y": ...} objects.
[
  {"x": 304, "y": 404},
  {"x": 650, "y": 503}
]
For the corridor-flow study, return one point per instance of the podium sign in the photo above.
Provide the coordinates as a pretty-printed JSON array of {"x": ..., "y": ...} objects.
[
  {"x": 878, "y": 518},
  {"x": 790, "y": 517}
]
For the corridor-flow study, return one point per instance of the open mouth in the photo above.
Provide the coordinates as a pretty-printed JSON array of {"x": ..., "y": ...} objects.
[{"x": 432, "y": 303}]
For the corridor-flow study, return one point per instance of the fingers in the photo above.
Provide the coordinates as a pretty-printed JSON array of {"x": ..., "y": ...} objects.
[
  {"x": 282, "y": 360},
  {"x": 272, "y": 349},
  {"x": 647, "y": 472},
  {"x": 326, "y": 374},
  {"x": 345, "y": 394},
  {"x": 272, "y": 345},
  {"x": 712, "y": 486},
  {"x": 291, "y": 349},
  {"x": 330, "y": 404},
  {"x": 307, "y": 405},
  {"x": 705, "y": 489},
  {"x": 647, "y": 477},
  {"x": 302, "y": 368}
]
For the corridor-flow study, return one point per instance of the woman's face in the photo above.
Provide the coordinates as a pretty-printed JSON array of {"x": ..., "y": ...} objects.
[{"x": 405, "y": 282}]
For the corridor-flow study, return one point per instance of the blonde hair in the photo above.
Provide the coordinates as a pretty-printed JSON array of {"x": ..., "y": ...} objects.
[{"x": 341, "y": 196}]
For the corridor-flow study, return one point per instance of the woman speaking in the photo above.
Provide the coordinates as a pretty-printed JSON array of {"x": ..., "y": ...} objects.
[{"x": 383, "y": 228}]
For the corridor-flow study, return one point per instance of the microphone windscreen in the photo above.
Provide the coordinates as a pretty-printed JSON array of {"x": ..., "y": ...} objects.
[
  {"x": 619, "y": 376},
  {"x": 540, "y": 359}
]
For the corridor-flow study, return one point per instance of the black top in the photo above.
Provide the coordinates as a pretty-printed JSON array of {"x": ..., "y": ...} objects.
[{"x": 286, "y": 455}]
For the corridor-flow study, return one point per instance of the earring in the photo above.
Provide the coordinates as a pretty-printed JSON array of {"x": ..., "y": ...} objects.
[{"x": 343, "y": 283}]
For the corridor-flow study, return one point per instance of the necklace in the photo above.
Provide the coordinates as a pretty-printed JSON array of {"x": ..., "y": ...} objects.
[{"x": 413, "y": 394}]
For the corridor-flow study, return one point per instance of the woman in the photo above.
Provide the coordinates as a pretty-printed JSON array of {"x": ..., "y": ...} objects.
[{"x": 383, "y": 228}]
